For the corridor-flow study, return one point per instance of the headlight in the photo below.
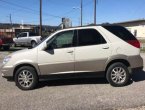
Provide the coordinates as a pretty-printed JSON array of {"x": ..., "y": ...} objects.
[{"x": 6, "y": 59}]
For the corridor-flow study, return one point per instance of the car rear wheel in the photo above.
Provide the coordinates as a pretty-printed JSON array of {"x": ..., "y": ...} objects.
[
  {"x": 26, "y": 78},
  {"x": 6, "y": 47},
  {"x": 33, "y": 44},
  {"x": 118, "y": 75}
]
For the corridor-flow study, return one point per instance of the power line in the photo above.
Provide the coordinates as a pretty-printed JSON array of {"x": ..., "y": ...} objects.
[
  {"x": 26, "y": 8},
  {"x": 32, "y": 11}
]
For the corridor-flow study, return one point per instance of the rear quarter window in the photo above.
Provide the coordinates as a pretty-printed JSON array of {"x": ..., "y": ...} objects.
[{"x": 120, "y": 32}]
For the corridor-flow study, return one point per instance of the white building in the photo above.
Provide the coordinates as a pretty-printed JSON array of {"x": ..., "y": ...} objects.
[{"x": 136, "y": 27}]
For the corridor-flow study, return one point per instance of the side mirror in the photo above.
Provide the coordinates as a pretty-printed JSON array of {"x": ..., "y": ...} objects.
[
  {"x": 47, "y": 47},
  {"x": 50, "y": 47}
]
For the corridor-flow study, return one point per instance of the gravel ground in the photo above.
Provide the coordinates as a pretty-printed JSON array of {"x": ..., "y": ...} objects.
[{"x": 74, "y": 94}]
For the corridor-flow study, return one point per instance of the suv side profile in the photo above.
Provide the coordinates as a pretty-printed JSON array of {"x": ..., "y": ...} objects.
[{"x": 110, "y": 50}]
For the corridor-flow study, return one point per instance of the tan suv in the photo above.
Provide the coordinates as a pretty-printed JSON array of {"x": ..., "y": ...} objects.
[{"x": 111, "y": 50}]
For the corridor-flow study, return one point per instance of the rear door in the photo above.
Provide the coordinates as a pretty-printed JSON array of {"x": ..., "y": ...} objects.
[{"x": 92, "y": 51}]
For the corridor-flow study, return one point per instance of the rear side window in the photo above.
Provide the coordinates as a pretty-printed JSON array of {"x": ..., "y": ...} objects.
[
  {"x": 121, "y": 32},
  {"x": 90, "y": 37},
  {"x": 22, "y": 35},
  {"x": 31, "y": 34}
]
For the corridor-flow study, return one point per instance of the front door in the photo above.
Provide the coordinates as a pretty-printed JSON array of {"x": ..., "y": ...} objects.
[{"x": 59, "y": 55}]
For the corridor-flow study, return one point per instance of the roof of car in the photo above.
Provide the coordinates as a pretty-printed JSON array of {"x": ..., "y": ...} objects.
[{"x": 92, "y": 25}]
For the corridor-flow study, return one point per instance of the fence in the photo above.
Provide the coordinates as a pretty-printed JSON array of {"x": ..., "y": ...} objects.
[{"x": 142, "y": 46}]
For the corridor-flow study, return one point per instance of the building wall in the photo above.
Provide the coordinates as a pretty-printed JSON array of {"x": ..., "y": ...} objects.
[
  {"x": 138, "y": 31},
  {"x": 11, "y": 32}
]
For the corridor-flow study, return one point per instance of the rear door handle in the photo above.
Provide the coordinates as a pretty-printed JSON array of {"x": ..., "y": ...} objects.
[
  {"x": 70, "y": 51},
  {"x": 106, "y": 47}
]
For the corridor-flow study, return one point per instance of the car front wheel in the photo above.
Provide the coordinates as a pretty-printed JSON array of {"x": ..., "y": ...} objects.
[
  {"x": 118, "y": 75},
  {"x": 26, "y": 78}
]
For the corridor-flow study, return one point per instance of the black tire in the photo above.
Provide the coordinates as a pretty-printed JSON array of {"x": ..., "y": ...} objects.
[
  {"x": 15, "y": 45},
  {"x": 117, "y": 72},
  {"x": 6, "y": 47},
  {"x": 33, "y": 44},
  {"x": 33, "y": 75}
]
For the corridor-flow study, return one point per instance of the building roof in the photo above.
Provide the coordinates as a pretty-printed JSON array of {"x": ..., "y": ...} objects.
[{"x": 132, "y": 22}]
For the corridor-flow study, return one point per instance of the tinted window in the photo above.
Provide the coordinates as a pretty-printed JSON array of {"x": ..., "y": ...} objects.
[
  {"x": 121, "y": 32},
  {"x": 90, "y": 37},
  {"x": 22, "y": 35},
  {"x": 31, "y": 34},
  {"x": 62, "y": 40}
]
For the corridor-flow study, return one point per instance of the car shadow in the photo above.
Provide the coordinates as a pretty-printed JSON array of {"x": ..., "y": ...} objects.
[
  {"x": 138, "y": 76},
  {"x": 63, "y": 80},
  {"x": 69, "y": 80}
]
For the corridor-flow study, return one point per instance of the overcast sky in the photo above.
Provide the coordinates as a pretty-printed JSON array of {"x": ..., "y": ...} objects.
[{"x": 53, "y": 10}]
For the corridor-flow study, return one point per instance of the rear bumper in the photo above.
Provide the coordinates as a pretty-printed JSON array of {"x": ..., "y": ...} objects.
[{"x": 136, "y": 62}]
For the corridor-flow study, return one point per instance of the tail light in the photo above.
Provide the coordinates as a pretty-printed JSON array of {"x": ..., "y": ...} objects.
[{"x": 134, "y": 43}]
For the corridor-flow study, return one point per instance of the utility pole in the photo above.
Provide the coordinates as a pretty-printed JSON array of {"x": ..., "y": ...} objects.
[
  {"x": 11, "y": 25},
  {"x": 40, "y": 29},
  {"x": 95, "y": 3},
  {"x": 10, "y": 19},
  {"x": 81, "y": 12}
]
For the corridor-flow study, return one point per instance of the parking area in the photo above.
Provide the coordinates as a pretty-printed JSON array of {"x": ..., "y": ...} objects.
[{"x": 73, "y": 94}]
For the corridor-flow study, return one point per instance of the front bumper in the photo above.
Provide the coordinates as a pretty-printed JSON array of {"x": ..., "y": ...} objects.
[{"x": 6, "y": 71}]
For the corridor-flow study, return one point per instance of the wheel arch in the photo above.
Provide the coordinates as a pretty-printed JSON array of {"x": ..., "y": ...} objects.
[
  {"x": 25, "y": 64},
  {"x": 124, "y": 61},
  {"x": 33, "y": 40}
]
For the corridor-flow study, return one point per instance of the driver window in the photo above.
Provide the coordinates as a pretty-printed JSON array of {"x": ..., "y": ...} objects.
[{"x": 63, "y": 40}]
